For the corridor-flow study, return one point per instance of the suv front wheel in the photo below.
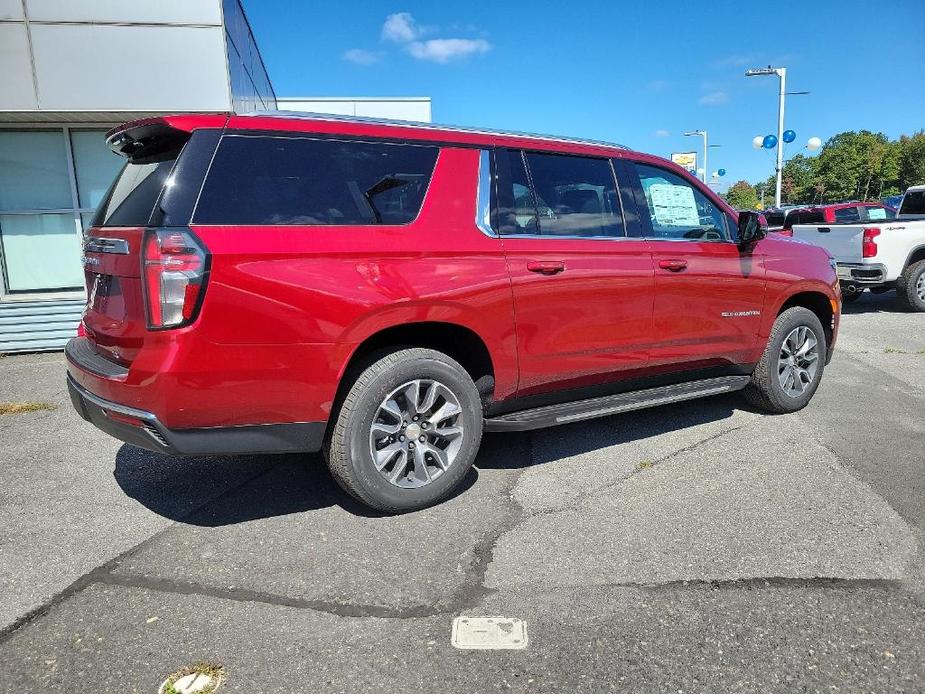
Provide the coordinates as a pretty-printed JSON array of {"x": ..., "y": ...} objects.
[
  {"x": 790, "y": 369},
  {"x": 407, "y": 431}
]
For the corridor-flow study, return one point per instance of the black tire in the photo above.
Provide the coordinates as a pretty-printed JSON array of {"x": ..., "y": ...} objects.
[
  {"x": 765, "y": 390},
  {"x": 347, "y": 449},
  {"x": 907, "y": 287}
]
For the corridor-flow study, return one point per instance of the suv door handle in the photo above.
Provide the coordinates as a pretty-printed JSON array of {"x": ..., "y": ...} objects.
[
  {"x": 546, "y": 267},
  {"x": 673, "y": 264},
  {"x": 823, "y": 230}
]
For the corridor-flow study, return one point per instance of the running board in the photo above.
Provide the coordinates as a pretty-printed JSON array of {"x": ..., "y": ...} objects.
[{"x": 553, "y": 415}]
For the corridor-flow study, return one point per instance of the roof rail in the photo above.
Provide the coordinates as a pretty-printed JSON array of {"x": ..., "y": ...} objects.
[{"x": 307, "y": 115}]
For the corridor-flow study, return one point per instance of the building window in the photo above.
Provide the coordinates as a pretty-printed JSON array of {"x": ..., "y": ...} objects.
[{"x": 50, "y": 182}]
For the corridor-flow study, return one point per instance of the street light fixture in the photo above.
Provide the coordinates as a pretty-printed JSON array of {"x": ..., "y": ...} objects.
[{"x": 781, "y": 73}]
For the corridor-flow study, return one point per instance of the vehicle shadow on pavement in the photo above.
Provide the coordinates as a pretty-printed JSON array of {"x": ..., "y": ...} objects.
[
  {"x": 549, "y": 445},
  {"x": 225, "y": 490},
  {"x": 873, "y": 303}
]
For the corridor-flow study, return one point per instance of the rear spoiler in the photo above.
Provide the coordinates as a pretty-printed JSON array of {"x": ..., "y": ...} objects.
[{"x": 156, "y": 139}]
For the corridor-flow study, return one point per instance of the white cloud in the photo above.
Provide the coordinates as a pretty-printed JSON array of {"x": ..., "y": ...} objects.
[
  {"x": 361, "y": 56},
  {"x": 661, "y": 132},
  {"x": 400, "y": 27},
  {"x": 445, "y": 50},
  {"x": 714, "y": 98}
]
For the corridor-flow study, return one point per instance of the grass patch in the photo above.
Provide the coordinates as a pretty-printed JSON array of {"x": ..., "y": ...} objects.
[
  {"x": 20, "y": 407},
  {"x": 644, "y": 465},
  {"x": 893, "y": 350},
  {"x": 213, "y": 670}
]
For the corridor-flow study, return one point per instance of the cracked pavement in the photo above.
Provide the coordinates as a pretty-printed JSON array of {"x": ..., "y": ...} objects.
[{"x": 698, "y": 547}]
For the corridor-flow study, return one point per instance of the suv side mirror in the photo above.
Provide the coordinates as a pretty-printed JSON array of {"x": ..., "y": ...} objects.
[{"x": 752, "y": 227}]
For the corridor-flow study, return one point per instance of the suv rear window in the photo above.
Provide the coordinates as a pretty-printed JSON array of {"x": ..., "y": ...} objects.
[
  {"x": 132, "y": 196},
  {"x": 257, "y": 179}
]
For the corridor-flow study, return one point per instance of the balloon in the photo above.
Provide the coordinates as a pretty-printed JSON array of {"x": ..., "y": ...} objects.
[
  {"x": 769, "y": 141},
  {"x": 758, "y": 142},
  {"x": 789, "y": 136},
  {"x": 721, "y": 172},
  {"x": 813, "y": 144}
]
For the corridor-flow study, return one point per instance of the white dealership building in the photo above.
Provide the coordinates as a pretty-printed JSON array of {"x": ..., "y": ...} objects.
[{"x": 72, "y": 70}]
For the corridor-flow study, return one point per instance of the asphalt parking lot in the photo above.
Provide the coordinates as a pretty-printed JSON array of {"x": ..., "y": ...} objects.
[{"x": 700, "y": 547}]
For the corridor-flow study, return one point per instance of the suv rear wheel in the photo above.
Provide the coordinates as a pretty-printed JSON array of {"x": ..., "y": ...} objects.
[
  {"x": 791, "y": 367},
  {"x": 407, "y": 432}
]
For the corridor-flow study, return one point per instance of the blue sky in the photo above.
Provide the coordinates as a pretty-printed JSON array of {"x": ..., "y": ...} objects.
[{"x": 638, "y": 73}]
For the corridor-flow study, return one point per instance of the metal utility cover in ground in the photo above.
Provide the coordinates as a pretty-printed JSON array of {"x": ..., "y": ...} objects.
[{"x": 489, "y": 633}]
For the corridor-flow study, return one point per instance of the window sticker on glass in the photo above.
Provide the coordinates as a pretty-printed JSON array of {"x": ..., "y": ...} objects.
[
  {"x": 876, "y": 213},
  {"x": 673, "y": 205}
]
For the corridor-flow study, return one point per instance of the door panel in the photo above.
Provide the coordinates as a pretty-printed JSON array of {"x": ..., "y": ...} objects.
[
  {"x": 582, "y": 289},
  {"x": 587, "y": 323},
  {"x": 711, "y": 308},
  {"x": 709, "y": 292}
]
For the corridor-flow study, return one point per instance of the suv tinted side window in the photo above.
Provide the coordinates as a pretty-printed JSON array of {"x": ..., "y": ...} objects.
[
  {"x": 556, "y": 195},
  {"x": 299, "y": 180},
  {"x": 575, "y": 196},
  {"x": 677, "y": 210}
]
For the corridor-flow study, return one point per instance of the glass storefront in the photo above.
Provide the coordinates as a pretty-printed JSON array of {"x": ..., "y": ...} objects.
[{"x": 51, "y": 179}]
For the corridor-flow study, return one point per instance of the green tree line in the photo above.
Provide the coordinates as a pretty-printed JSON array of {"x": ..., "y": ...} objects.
[{"x": 850, "y": 166}]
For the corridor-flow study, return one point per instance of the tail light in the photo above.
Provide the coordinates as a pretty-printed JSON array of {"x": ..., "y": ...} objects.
[
  {"x": 175, "y": 269},
  {"x": 869, "y": 245}
]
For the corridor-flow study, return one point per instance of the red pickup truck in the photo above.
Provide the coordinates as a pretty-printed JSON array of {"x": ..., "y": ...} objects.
[
  {"x": 783, "y": 221},
  {"x": 385, "y": 292}
]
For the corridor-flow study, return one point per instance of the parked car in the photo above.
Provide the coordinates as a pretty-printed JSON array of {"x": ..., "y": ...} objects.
[
  {"x": 836, "y": 213},
  {"x": 882, "y": 257},
  {"x": 386, "y": 292}
]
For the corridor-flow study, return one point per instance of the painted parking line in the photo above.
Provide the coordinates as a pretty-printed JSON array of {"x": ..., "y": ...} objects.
[{"x": 489, "y": 633}]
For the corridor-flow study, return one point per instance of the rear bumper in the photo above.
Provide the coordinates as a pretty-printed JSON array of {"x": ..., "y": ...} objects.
[
  {"x": 854, "y": 273},
  {"x": 143, "y": 429}
]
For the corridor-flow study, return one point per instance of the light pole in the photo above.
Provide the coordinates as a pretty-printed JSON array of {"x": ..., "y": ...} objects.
[
  {"x": 706, "y": 146},
  {"x": 781, "y": 72},
  {"x": 703, "y": 134}
]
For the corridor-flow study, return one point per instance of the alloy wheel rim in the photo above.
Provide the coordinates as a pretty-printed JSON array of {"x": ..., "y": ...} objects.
[
  {"x": 920, "y": 286},
  {"x": 798, "y": 361},
  {"x": 416, "y": 433}
]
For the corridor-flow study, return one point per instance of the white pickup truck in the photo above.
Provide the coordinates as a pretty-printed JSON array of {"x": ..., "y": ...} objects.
[{"x": 880, "y": 256}]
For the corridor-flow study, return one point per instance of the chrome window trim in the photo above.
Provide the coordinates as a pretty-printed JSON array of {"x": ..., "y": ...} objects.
[
  {"x": 556, "y": 237},
  {"x": 483, "y": 195},
  {"x": 676, "y": 240}
]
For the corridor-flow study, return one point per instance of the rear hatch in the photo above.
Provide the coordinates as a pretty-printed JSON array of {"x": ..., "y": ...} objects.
[
  {"x": 844, "y": 243},
  {"x": 141, "y": 197}
]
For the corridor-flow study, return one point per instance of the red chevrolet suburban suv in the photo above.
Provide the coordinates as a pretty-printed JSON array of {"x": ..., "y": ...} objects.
[{"x": 385, "y": 292}]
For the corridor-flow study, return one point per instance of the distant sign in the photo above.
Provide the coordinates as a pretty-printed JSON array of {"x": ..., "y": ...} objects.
[{"x": 686, "y": 160}]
